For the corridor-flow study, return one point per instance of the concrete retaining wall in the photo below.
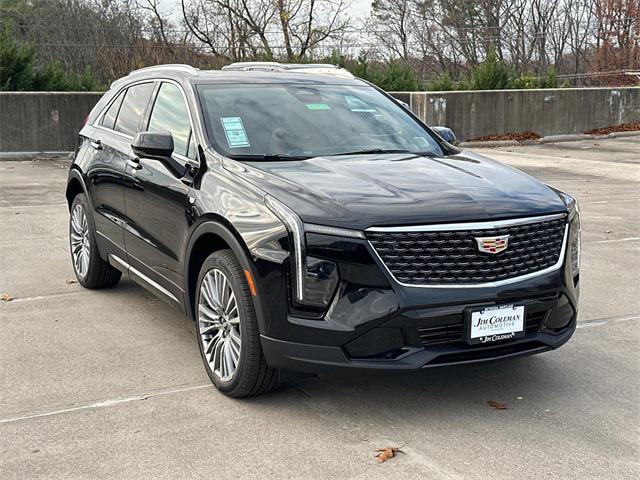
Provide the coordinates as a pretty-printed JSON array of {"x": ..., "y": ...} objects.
[
  {"x": 473, "y": 114},
  {"x": 43, "y": 121},
  {"x": 49, "y": 121}
]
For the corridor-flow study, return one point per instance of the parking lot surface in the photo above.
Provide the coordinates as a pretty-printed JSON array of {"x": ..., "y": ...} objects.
[{"x": 109, "y": 384}]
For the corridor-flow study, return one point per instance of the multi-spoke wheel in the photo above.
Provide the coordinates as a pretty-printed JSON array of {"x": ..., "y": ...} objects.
[
  {"x": 227, "y": 329},
  {"x": 80, "y": 247},
  {"x": 219, "y": 324},
  {"x": 91, "y": 270}
]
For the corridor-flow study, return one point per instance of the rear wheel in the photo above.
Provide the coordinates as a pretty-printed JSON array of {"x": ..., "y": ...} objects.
[
  {"x": 227, "y": 329},
  {"x": 91, "y": 271}
]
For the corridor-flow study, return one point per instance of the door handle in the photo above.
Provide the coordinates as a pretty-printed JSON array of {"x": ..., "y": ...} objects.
[{"x": 96, "y": 144}]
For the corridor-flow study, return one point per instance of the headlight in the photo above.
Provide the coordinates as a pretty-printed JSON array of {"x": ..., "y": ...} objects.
[
  {"x": 296, "y": 229},
  {"x": 575, "y": 237},
  {"x": 314, "y": 280}
]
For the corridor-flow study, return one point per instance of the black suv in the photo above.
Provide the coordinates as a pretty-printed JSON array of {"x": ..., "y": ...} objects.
[{"x": 310, "y": 223}]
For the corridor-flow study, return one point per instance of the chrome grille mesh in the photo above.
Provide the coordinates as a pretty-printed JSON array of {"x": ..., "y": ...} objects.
[{"x": 452, "y": 257}]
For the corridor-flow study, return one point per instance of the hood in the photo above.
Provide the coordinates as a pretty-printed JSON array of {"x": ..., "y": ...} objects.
[{"x": 362, "y": 191}]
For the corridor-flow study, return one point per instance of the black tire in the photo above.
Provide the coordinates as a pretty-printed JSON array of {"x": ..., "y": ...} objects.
[
  {"x": 252, "y": 376},
  {"x": 99, "y": 273}
]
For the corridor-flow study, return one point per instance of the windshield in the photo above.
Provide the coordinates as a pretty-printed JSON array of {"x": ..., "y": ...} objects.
[{"x": 280, "y": 122}]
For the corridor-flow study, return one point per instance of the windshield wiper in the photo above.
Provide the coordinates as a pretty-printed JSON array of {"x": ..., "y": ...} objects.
[
  {"x": 269, "y": 157},
  {"x": 368, "y": 151}
]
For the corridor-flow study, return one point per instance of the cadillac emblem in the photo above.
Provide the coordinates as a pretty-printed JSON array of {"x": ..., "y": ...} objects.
[{"x": 492, "y": 244}]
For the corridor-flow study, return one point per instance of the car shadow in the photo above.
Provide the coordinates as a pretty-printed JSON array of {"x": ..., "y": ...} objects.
[
  {"x": 458, "y": 392},
  {"x": 537, "y": 380}
]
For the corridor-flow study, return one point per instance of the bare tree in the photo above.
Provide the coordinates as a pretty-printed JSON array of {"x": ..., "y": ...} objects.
[
  {"x": 305, "y": 24},
  {"x": 266, "y": 29},
  {"x": 391, "y": 25},
  {"x": 158, "y": 22}
]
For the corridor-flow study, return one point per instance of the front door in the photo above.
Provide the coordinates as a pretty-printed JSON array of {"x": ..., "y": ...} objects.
[{"x": 157, "y": 201}]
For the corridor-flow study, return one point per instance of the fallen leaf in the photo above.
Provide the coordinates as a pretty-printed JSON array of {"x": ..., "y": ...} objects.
[
  {"x": 385, "y": 454},
  {"x": 497, "y": 405},
  {"x": 6, "y": 297},
  {"x": 71, "y": 280}
]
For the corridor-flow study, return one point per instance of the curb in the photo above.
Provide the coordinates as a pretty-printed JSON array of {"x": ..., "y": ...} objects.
[
  {"x": 633, "y": 133},
  {"x": 549, "y": 139},
  {"x": 490, "y": 143},
  {"x": 574, "y": 137},
  {"x": 16, "y": 156}
]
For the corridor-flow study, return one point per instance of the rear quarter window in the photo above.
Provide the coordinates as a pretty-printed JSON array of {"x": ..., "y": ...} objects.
[
  {"x": 133, "y": 107},
  {"x": 109, "y": 118}
]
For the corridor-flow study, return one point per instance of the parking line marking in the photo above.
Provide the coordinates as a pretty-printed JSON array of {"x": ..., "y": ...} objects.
[
  {"x": 44, "y": 297},
  {"x": 42, "y": 205},
  {"x": 104, "y": 403},
  {"x": 616, "y": 240},
  {"x": 600, "y": 322}
]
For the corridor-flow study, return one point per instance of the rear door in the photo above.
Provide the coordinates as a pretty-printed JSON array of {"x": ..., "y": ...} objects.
[
  {"x": 106, "y": 160},
  {"x": 156, "y": 200}
]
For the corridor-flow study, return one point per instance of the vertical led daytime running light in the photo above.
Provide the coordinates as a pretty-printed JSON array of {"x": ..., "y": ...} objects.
[
  {"x": 578, "y": 234},
  {"x": 296, "y": 228}
]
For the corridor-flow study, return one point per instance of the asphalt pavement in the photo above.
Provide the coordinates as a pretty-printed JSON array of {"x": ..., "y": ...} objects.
[{"x": 109, "y": 384}]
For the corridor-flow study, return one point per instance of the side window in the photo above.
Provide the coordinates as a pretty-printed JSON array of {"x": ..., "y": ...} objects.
[
  {"x": 132, "y": 110},
  {"x": 170, "y": 114},
  {"x": 109, "y": 118}
]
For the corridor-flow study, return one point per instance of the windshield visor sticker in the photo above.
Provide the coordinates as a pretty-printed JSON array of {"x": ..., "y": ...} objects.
[
  {"x": 318, "y": 106},
  {"x": 235, "y": 132},
  {"x": 358, "y": 106},
  {"x": 422, "y": 142}
]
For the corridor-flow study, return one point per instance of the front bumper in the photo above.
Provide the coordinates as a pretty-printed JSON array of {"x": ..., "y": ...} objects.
[
  {"x": 375, "y": 323},
  {"x": 406, "y": 343},
  {"x": 301, "y": 357}
]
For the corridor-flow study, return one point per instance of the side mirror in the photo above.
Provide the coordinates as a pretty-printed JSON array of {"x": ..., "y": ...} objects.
[
  {"x": 157, "y": 146},
  {"x": 446, "y": 134},
  {"x": 153, "y": 145}
]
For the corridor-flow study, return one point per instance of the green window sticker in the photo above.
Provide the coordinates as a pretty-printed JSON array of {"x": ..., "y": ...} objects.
[
  {"x": 235, "y": 132},
  {"x": 318, "y": 106}
]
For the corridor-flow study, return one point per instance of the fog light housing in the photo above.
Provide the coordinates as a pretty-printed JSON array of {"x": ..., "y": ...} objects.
[{"x": 320, "y": 282}]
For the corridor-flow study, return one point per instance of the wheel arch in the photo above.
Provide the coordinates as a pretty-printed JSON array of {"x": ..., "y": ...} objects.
[
  {"x": 75, "y": 186},
  {"x": 212, "y": 234}
]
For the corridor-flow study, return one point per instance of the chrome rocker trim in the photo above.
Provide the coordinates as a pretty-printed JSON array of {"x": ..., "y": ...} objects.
[{"x": 139, "y": 277}]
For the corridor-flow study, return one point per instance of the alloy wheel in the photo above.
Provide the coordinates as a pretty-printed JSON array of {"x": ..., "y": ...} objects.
[
  {"x": 80, "y": 246},
  {"x": 219, "y": 325}
]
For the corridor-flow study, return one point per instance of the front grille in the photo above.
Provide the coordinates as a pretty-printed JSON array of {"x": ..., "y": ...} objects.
[
  {"x": 452, "y": 257},
  {"x": 454, "y": 333}
]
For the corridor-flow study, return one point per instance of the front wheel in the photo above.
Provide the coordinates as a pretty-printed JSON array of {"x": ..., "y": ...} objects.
[{"x": 227, "y": 329}]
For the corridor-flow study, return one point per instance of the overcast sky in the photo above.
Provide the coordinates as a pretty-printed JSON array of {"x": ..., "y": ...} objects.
[{"x": 359, "y": 8}]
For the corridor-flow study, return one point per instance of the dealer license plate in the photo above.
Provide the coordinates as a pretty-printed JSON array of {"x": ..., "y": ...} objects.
[{"x": 493, "y": 324}]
